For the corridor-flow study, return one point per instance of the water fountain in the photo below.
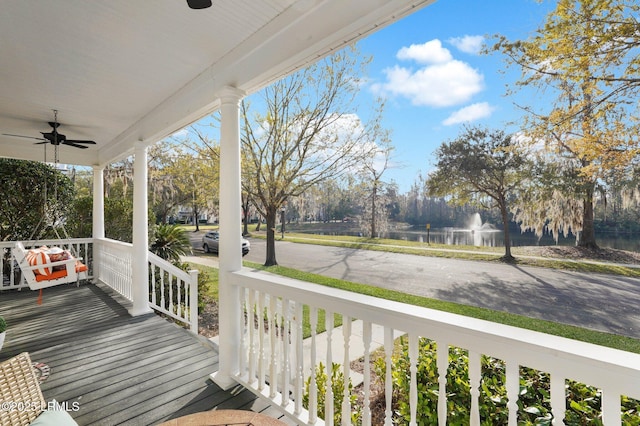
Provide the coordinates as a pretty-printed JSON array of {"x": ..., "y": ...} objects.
[{"x": 475, "y": 233}]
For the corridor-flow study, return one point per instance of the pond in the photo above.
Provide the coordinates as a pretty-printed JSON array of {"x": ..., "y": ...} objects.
[
  {"x": 495, "y": 238},
  {"x": 491, "y": 237}
]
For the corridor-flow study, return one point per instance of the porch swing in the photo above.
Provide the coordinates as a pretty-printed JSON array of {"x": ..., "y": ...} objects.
[{"x": 49, "y": 266}]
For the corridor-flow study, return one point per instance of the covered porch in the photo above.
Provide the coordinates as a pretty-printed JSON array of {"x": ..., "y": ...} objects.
[{"x": 128, "y": 74}]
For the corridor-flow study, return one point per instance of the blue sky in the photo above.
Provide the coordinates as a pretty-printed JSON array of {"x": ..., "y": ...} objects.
[{"x": 434, "y": 81}]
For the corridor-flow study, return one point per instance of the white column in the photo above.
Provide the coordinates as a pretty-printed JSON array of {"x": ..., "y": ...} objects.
[
  {"x": 230, "y": 242},
  {"x": 140, "y": 280},
  {"x": 98, "y": 216},
  {"x": 98, "y": 202}
]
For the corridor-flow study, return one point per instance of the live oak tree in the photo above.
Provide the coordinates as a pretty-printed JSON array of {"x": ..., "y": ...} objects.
[
  {"x": 584, "y": 57},
  {"x": 546, "y": 200},
  {"x": 481, "y": 167},
  {"x": 300, "y": 132}
]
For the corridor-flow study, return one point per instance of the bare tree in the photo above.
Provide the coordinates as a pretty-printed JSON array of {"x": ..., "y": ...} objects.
[
  {"x": 375, "y": 216},
  {"x": 306, "y": 133}
]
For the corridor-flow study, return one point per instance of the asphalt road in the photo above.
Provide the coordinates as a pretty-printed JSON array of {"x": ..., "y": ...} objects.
[{"x": 601, "y": 302}]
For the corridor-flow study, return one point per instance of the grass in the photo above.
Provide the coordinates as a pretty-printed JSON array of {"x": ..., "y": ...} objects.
[
  {"x": 577, "y": 333},
  {"x": 202, "y": 227}
]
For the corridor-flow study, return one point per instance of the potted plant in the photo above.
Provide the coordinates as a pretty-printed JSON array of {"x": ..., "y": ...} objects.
[{"x": 3, "y": 330}]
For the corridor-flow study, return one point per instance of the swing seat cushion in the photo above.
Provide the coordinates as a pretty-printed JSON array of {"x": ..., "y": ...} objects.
[{"x": 52, "y": 276}]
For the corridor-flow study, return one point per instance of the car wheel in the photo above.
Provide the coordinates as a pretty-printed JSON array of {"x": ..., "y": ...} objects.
[{"x": 206, "y": 248}]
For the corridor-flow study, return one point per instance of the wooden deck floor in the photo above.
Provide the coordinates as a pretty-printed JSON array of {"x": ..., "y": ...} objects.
[{"x": 119, "y": 369}]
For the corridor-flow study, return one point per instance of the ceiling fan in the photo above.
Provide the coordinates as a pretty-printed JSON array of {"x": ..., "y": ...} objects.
[
  {"x": 55, "y": 138},
  {"x": 199, "y": 4}
]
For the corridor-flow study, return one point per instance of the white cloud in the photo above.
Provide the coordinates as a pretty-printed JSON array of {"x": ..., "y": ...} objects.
[
  {"x": 468, "y": 44},
  {"x": 442, "y": 81},
  {"x": 182, "y": 133},
  {"x": 430, "y": 52},
  {"x": 440, "y": 85},
  {"x": 469, "y": 113}
]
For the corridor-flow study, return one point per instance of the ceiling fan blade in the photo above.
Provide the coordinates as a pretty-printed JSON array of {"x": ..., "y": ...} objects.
[
  {"x": 22, "y": 136},
  {"x": 75, "y": 145},
  {"x": 79, "y": 141},
  {"x": 42, "y": 143}
]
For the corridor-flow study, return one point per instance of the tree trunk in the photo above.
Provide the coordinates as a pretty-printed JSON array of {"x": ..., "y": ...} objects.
[
  {"x": 271, "y": 238},
  {"x": 373, "y": 211},
  {"x": 245, "y": 212},
  {"x": 505, "y": 225},
  {"x": 195, "y": 219},
  {"x": 588, "y": 235}
]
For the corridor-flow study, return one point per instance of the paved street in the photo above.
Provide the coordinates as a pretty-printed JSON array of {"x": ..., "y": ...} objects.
[{"x": 601, "y": 302}]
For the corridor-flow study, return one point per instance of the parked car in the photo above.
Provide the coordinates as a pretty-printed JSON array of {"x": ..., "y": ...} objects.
[{"x": 210, "y": 243}]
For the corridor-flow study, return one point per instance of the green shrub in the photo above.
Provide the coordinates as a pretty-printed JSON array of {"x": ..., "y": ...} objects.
[
  {"x": 3, "y": 325},
  {"x": 337, "y": 387}
]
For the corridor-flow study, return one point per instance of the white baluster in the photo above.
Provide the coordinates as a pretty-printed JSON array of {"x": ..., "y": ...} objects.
[
  {"x": 475, "y": 375},
  {"x": 162, "y": 300},
  {"x": 513, "y": 388},
  {"x": 153, "y": 285},
  {"x": 273, "y": 367},
  {"x": 299, "y": 360},
  {"x": 313, "y": 386},
  {"x": 328, "y": 400},
  {"x": 252, "y": 336},
  {"x": 558, "y": 399},
  {"x": 346, "y": 371},
  {"x": 388, "y": 384},
  {"x": 366, "y": 339},
  {"x": 286, "y": 353},
  {"x": 244, "y": 349},
  {"x": 443, "y": 364},
  {"x": 262, "y": 357},
  {"x": 413, "y": 368},
  {"x": 179, "y": 305},
  {"x": 170, "y": 284},
  {"x": 611, "y": 410}
]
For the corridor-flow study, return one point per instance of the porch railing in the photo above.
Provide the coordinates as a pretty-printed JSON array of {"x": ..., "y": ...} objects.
[
  {"x": 174, "y": 292},
  {"x": 115, "y": 265},
  {"x": 275, "y": 360}
]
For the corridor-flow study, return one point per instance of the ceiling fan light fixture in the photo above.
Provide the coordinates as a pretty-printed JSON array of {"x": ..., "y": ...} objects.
[{"x": 199, "y": 4}]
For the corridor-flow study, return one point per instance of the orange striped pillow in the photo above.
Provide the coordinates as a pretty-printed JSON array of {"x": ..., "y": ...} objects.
[{"x": 37, "y": 257}]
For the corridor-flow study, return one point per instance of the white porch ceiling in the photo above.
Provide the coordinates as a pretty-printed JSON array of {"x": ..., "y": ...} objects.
[{"x": 122, "y": 71}]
